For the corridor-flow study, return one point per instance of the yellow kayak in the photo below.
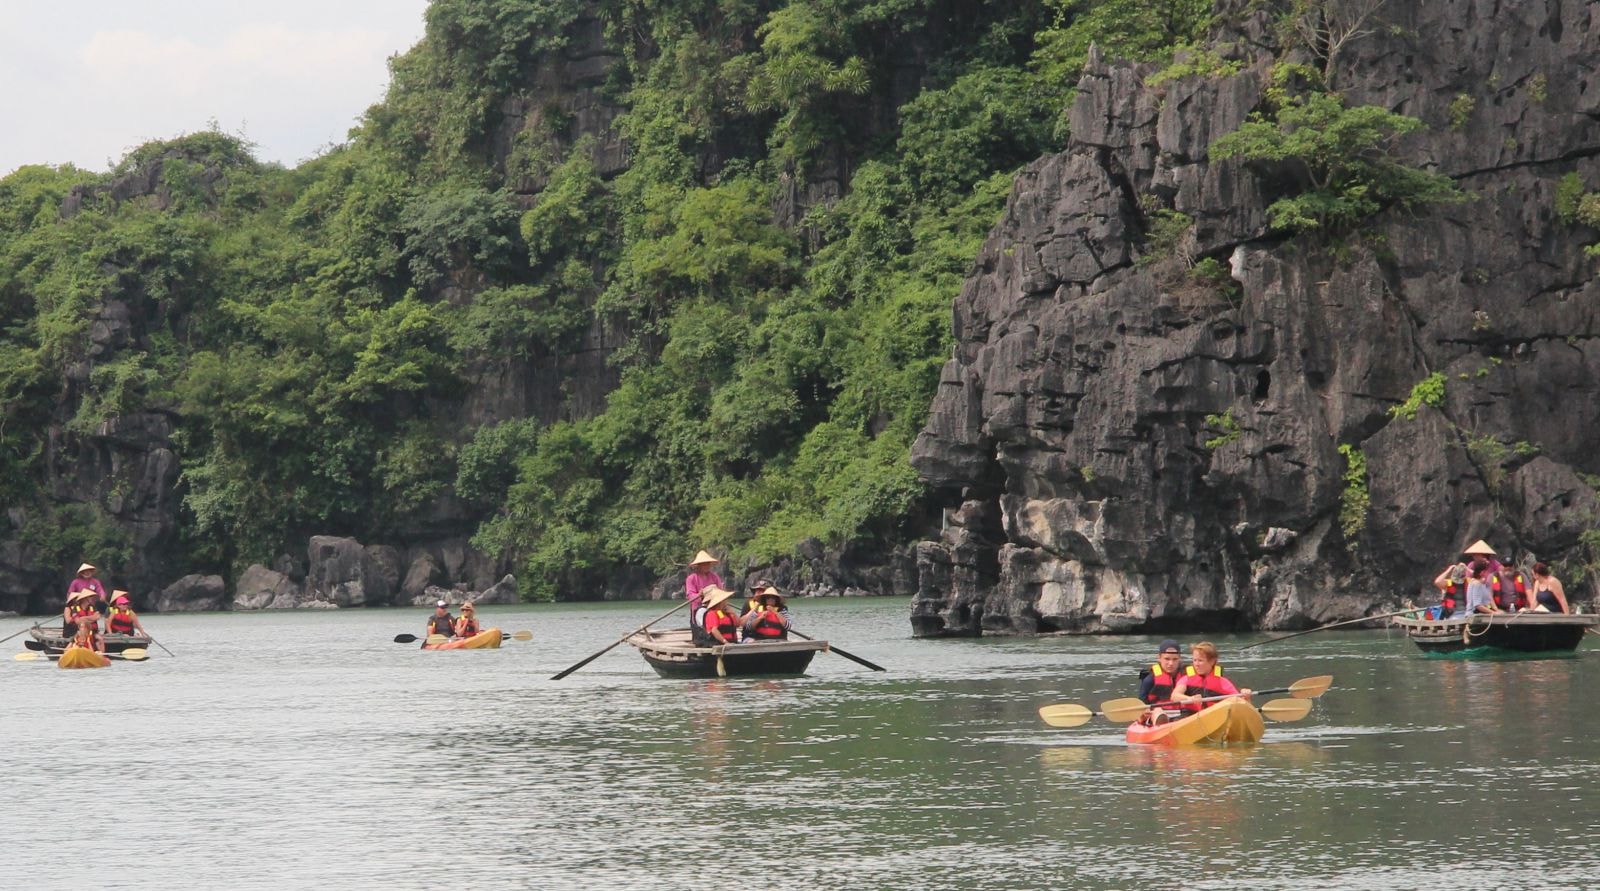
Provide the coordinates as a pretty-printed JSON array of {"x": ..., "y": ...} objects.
[
  {"x": 487, "y": 639},
  {"x": 78, "y": 657},
  {"x": 1229, "y": 721}
]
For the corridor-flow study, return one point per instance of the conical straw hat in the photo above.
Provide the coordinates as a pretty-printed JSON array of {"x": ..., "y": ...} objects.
[
  {"x": 715, "y": 595},
  {"x": 84, "y": 567},
  {"x": 703, "y": 557},
  {"x": 1480, "y": 547}
]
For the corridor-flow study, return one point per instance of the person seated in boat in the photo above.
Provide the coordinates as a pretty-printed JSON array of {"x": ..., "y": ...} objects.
[
  {"x": 719, "y": 620},
  {"x": 122, "y": 619},
  {"x": 80, "y": 605},
  {"x": 769, "y": 620},
  {"x": 1157, "y": 681},
  {"x": 441, "y": 622},
  {"x": 1480, "y": 598},
  {"x": 1548, "y": 594},
  {"x": 88, "y": 635},
  {"x": 1204, "y": 679},
  {"x": 467, "y": 625},
  {"x": 702, "y": 575},
  {"x": 753, "y": 602}
]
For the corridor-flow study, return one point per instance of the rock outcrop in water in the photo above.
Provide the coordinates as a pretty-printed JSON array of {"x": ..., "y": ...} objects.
[{"x": 1121, "y": 449}]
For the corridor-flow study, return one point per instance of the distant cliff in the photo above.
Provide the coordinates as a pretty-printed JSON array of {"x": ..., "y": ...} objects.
[{"x": 1124, "y": 445}]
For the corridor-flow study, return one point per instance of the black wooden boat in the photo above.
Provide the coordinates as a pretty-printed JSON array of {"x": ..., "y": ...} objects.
[
  {"x": 48, "y": 639},
  {"x": 674, "y": 654},
  {"x": 1524, "y": 632}
]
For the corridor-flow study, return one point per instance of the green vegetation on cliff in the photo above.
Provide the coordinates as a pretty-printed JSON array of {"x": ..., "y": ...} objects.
[{"x": 772, "y": 271}]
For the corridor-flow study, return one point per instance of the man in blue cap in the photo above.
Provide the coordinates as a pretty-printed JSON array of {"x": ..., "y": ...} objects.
[{"x": 1157, "y": 681}]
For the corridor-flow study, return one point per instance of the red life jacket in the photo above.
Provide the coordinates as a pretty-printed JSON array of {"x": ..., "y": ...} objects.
[
  {"x": 727, "y": 625},
  {"x": 1204, "y": 684},
  {"x": 1449, "y": 601},
  {"x": 1161, "y": 690},
  {"x": 121, "y": 620},
  {"x": 467, "y": 627},
  {"x": 769, "y": 626},
  {"x": 87, "y": 638}
]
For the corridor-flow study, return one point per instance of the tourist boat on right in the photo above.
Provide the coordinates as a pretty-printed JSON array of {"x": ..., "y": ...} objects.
[{"x": 1488, "y": 634}]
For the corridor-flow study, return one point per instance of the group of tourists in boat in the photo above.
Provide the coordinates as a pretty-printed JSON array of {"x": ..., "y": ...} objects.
[
  {"x": 1480, "y": 584},
  {"x": 87, "y": 603},
  {"x": 714, "y": 619}
]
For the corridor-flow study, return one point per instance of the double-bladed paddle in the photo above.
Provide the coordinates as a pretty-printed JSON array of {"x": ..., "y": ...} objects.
[
  {"x": 1122, "y": 711},
  {"x": 440, "y": 638},
  {"x": 131, "y": 654}
]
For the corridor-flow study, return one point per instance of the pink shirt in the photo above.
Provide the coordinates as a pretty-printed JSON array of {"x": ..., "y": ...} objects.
[
  {"x": 92, "y": 584},
  {"x": 697, "y": 582}
]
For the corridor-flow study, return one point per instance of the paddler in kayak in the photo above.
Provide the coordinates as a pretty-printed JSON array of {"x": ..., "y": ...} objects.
[
  {"x": 1157, "y": 681},
  {"x": 441, "y": 622},
  {"x": 467, "y": 625},
  {"x": 1203, "y": 678},
  {"x": 88, "y": 635}
]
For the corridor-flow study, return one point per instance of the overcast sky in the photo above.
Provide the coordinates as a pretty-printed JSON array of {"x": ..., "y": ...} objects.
[{"x": 84, "y": 81}]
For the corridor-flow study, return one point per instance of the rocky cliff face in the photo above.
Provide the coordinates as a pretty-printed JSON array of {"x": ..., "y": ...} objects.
[{"x": 1121, "y": 449}]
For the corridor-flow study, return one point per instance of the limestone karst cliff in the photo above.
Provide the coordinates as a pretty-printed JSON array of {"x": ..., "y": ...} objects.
[{"x": 1120, "y": 448}]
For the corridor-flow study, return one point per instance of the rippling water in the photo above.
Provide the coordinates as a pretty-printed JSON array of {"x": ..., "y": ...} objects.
[{"x": 306, "y": 750}]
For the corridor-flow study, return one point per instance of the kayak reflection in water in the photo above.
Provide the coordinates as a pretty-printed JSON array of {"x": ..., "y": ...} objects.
[{"x": 1204, "y": 679}]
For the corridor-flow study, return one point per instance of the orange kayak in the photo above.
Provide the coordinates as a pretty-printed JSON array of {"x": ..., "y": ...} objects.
[
  {"x": 1229, "y": 721},
  {"x": 75, "y": 656},
  {"x": 487, "y": 639}
]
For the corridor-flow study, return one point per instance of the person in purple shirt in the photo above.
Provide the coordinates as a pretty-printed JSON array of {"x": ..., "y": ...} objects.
[
  {"x": 701, "y": 577},
  {"x": 86, "y": 581}
]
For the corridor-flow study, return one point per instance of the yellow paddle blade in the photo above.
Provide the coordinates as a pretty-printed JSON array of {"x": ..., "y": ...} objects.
[
  {"x": 133, "y": 654},
  {"x": 1122, "y": 710},
  {"x": 437, "y": 639},
  {"x": 521, "y": 635},
  {"x": 1286, "y": 709},
  {"x": 27, "y": 657},
  {"x": 1065, "y": 714},
  {"x": 1311, "y": 688}
]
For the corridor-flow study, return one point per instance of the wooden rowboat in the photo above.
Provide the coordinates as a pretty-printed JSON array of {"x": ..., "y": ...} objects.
[
  {"x": 674, "y": 654},
  {"x": 1486, "y": 634},
  {"x": 487, "y": 639},
  {"x": 1228, "y": 721},
  {"x": 48, "y": 639},
  {"x": 80, "y": 657}
]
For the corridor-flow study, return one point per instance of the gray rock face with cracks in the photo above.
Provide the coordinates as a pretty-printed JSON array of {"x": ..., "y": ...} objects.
[{"x": 1121, "y": 447}]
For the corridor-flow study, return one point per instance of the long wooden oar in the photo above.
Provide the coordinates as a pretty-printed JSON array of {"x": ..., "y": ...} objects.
[
  {"x": 833, "y": 649},
  {"x": 1401, "y": 612},
  {"x": 23, "y": 631},
  {"x": 161, "y": 645},
  {"x": 561, "y": 674},
  {"x": 1068, "y": 714}
]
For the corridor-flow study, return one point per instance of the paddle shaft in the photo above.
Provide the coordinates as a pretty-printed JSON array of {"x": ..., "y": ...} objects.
[
  {"x": 558, "y": 676},
  {"x": 833, "y": 649},
  {"x": 1219, "y": 696},
  {"x": 163, "y": 646},
  {"x": 1399, "y": 612}
]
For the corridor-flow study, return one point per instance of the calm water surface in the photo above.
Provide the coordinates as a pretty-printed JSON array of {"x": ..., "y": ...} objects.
[{"x": 306, "y": 750}]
